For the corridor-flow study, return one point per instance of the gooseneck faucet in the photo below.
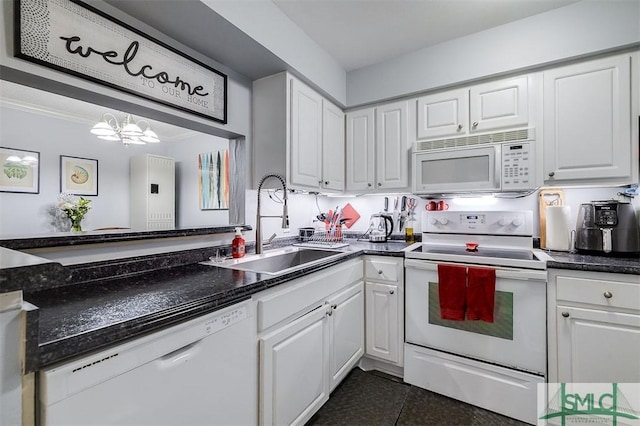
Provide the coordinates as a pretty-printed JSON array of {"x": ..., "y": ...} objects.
[{"x": 285, "y": 212}]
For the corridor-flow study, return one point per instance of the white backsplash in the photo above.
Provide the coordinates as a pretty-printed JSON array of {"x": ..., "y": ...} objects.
[{"x": 302, "y": 207}]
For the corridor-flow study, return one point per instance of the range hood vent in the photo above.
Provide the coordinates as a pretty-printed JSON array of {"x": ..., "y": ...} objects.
[{"x": 489, "y": 138}]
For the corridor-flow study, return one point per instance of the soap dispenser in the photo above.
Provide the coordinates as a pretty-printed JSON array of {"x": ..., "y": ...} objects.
[{"x": 237, "y": 245}]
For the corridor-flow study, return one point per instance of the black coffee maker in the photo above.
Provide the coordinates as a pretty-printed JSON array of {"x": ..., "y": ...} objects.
[{"x": 607, "y": 227}]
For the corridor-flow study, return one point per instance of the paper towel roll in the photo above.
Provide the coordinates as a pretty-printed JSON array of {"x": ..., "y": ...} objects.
[{"x": 558, "y": 234}]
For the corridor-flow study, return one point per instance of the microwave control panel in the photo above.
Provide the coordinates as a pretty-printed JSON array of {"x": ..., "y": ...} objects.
[{"x": 517, "y": 166}]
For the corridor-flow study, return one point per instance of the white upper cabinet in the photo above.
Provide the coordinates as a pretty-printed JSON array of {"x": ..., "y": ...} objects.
[
  {"x": 588, "y": 128},
  {"x": 333, "y": 173},
  {"x": 443, "y": 114},
  {"x": 306, "y": 136},
  {"x": 361, "y": 157},
  {"x": 378, "y": 148},
  {"x": 499, "y": 104},
  {"x": 484, "y": 107},
  {"x": 392, "y": 151},
  {"x": 298, "y": 134}
]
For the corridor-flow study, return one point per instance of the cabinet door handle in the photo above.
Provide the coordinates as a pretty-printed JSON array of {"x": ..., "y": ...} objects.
[
  {"x": 369, "y": 184},
  {"x": 320, "y": 182},
  {"x": 329, "y": 312},
  {"x": 608, "y": 294},
  {"x": 459, "y": 126},
  {"x": 565, "y": 314},
  {"x": 334, "y": 306},
  {"x": 475, "y": 124},
  {"x": 379, "y": 184},
  {"x": 391, "y": 291},
  {"x": 326, "y": 182},
  {"x": 379, "y": 271},
  {"x": 552, "y": 174}
]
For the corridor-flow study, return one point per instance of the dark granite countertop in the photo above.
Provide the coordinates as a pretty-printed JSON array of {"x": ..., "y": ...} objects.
[
  {"x": 81, "y": 318},
  {"x": 108, "y": 236},
  {"x": 76, "y": 319},
  {"x": 595, "y": 263}
]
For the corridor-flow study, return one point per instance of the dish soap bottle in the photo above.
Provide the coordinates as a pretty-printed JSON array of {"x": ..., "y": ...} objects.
[{"x": 237, "y": 245}]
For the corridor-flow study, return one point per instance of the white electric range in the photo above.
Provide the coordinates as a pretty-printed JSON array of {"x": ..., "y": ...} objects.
[{"x": 495, "y": 365}]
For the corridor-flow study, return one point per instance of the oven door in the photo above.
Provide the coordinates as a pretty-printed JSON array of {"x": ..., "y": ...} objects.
[
  {"x": 516, "y": 338},
  {"x": 465, "y": 169}
]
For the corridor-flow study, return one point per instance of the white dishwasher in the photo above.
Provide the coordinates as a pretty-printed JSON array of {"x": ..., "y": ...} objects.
[{"x": 201, "y": 372}]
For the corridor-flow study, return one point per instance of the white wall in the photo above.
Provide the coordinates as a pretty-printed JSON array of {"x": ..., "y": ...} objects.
[
  {"x": 303, "y": 208},
  {"x": 185, "y": 153},
  {"x": 266, "y": 23},
  {"x": 579, "y": 29}
]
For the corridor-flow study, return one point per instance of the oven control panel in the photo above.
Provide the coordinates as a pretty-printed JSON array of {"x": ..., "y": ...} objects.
[{"x": 478, "y": 222}]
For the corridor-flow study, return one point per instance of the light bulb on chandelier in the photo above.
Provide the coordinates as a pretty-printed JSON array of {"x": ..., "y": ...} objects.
[{"x": 129, "y": 132}]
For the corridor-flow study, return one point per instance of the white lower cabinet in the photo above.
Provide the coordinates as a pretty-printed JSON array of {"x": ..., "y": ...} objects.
[
  {"x": 312, "y": 335},
  {"x": 382, "y": 321},
  {"x": 346, "y": 332},
  {"x": 384, "y": 295},
  {"x": 11, "y": 326},
  {"x": 594, "y": 327},
  {"x": 294, "y": 364}
]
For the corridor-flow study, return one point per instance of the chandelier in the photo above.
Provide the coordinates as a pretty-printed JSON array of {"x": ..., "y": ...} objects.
[{"x": 127, "y": 131}]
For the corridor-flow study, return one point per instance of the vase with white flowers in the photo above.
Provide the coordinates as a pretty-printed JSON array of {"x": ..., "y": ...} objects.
[{"x": 75, "y": 209}]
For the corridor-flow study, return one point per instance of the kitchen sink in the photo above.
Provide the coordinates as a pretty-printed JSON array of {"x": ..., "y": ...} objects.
[{"x": 276, "y": 262}]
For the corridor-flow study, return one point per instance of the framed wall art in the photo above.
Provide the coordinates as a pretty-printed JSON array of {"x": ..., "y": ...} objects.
[
  {"x": 78, "y": 176},
  {"x": 20, "y": 171},
  {"x": 213, "y": 180},
  {"x": 76, "y": 38}
]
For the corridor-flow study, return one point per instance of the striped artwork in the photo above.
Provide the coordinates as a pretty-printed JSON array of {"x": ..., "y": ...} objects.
[{"x": 213, "y": 170}]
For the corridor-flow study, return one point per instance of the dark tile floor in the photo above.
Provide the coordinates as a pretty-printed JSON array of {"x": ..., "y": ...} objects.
[{"x": 376, "y": 399}]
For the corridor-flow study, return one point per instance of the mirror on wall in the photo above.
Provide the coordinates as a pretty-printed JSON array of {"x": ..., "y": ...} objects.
[{"x": 55, "y": 130}]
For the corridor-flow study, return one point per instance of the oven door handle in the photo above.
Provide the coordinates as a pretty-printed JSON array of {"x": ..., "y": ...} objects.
[{"x": 508, "y": 273}]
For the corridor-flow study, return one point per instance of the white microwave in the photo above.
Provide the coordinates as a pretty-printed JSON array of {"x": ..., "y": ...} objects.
[{"x": 506, "y": 167}]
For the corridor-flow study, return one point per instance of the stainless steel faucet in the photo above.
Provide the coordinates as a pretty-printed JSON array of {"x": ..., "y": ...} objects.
[{"x": 285, "y": 212}]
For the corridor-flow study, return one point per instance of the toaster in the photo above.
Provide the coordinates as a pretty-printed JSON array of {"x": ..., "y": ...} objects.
[{"x": 607, "y": 227}]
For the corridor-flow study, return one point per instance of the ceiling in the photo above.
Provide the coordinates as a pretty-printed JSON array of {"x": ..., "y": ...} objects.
[
  {"x": 359, "y": 33},
  {"x": 356, "y": 33}
]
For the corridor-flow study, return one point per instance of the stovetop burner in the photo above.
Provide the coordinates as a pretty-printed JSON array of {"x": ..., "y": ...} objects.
[
  {"x": 501, "y": 239},
  {"x": 478, "y": 252}
]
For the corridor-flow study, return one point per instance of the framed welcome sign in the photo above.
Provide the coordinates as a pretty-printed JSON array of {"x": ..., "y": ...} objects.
[{"x": 73, "y": 37}]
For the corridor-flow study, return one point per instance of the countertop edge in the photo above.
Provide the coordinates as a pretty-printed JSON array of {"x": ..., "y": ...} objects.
[
  {"x": 55, "y": 351},
  {"x": 98, "y": 237}
]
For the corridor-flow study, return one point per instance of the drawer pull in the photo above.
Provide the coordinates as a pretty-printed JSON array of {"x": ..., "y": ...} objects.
[
  {"x": 329, "y": 313},
  {"x": 334, "y": 306},
  {"x": 565, "y": 314},
  {"x": 379, "y": 271},
  {"x": 391, "y": 291},
  {"x": 608, "y": 294}
]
